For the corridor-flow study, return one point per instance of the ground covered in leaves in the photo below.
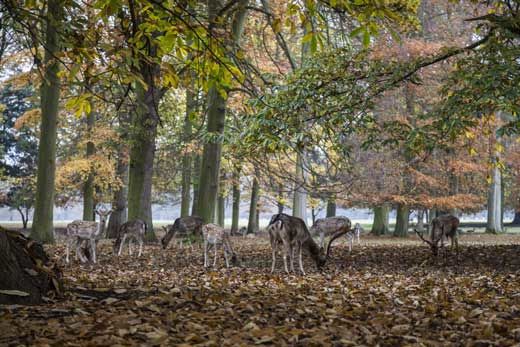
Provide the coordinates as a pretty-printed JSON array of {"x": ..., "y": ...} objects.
[{"x": 387, "y": 292}]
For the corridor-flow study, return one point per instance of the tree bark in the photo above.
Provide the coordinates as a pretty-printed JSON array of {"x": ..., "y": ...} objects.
[
  {"x": 196, "y": 179},
  {"x": 221, "y": 203},
  {"x": 88, "y": 187},
  {"x": 300, "y": 196},
  {"x": 236, "y": 201},
  {"x": 186, "y": 159},
  {"x": 25, "y": 269},
  {"x": 280, "y": 199},
  {"x": 252, "y": 225},
  {"x": 494, "y": 218},
  {"x": 331, "y": 208},
  {"x": 420, "y": 220},
  {"x": 216, "y": 115},
  {"x": 401, "y": 225},
  {"x": 42, "y": 227},
  {"x": 119, "y": 216},
  {"x": 516, "y": 219},
  {"x": 381, "y": 220}
]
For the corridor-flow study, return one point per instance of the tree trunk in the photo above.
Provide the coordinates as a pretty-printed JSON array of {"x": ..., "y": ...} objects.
[
  {"x": 119, "y": 216},
  {"x": 196, "y": 179},
  {"x": 280, "y": 199},
  {"x": 420, "y": 220},
  {"x": 252, "y": 225},
  {"x": 216, "y": 115},
  {"x": 25, "y": 269},
  {"x": 88, "y": 187},
  {"x": 516, "y": 219},
  {"x": 401, "y": 225},
  {"x": 494, "y": 207},
  {"x": 236, "y": 200},
  {"x": 42, "y": 227},
  {"x": 300, "y": 196},
  {"x": 186, "y": 159},
  {"x": 142, "y": 150},
  {"x": 221, "y": 211},
  {"x": 381, "y": 220},
  {"x": 331, "y": 208}
]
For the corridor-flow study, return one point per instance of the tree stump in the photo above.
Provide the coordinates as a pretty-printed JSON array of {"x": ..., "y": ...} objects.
[{"x": 27, "y": 275}]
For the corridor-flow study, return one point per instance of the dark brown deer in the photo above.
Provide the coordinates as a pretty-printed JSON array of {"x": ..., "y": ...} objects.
[
  {"x": 183, "y": 227},
  {"x": 292, "y": 232},
  {"x": 444, "y": 226},
  {"x": 135, "y": 229}
]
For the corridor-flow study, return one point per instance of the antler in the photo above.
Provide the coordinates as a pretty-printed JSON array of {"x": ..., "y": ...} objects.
[
  {"x": 422, "y": 238},
  {"x": 334, "y": 237}
]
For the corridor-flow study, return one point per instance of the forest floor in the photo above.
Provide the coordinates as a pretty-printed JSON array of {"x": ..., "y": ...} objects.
[{"x": 387, "y": 292}]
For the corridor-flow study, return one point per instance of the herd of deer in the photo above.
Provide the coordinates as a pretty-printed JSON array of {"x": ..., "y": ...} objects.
[{"x": 288, "y": 232}]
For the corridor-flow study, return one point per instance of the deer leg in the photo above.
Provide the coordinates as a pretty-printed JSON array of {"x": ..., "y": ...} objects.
[
  {"x": 357, "y": 234},
  {"x": 79, "y": 253},
  {"x": 226, "y": 256},
  {"x": 130, "y": 246},
  {"x": 291, "y": 257},
  {"x": 273, "y": 248},
  {"x": 215, "y": 259},
  {"x": 205, "y": 253},
  {"x": 322, "y": 239},
  {"x": 350, "y": 240},
  {"x": 67, "y": 251},
  {"x": 93, "y": 248},
  {"x": 140, "y": 247},
  {"x": 121, "y": 245},
  {"x": 301, "y": 258},
  {"x": 285, "y": 254}
]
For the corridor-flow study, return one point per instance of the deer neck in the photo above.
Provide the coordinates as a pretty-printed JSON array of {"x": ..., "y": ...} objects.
[
  {"x": 101, "y": 228},
  {"x": 313, "y": 249}
]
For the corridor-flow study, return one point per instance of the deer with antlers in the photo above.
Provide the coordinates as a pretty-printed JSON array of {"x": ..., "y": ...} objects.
[
  {"x": 215, "y": 236},
  {"x": 183, "y": 228},
  {"x": 89, "y": 231},
  {"x": 331, "y": 225},
  {"x": 444, "y": 226},
  {"x": 292, "y": 234},
  {"x": 135, "y": 229}
]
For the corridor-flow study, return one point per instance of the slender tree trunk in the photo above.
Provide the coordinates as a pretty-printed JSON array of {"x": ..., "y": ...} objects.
[
  {"x": 236, "y": 200},
  {"x": 210, "y": 167},
  {"x": 252, "y": 225},
  {"x": 494, "y": 224},
  {"x": 88, "y": 187},
  {"x": 42, "y": 227},
  {"x": 119, "y": 216},
  {"x": 196, "y": 179},
  {"x": 221, "y": 202},
  {"x": 186, "y": 159},
  {"x": 381, "y": 220},
  {"x": 300, "y": 196},
  {"x": 331, "y": 207},
  {"x": 401, "y": 225},
  {"x": 280, "y": 199},
  {"x": 257, "y": 219}
]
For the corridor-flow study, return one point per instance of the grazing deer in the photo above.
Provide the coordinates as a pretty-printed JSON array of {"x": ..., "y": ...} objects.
[
  {"x": 331, "y": 225},
  {"x": 444, "y": 226},
  {"x": 292, "y": 232},
  {"x": 79, "y": 231},
  {"x": 136, "y": 230},
  {"x": 215, "y": 236},
  {"x": 182, "y": 228}
]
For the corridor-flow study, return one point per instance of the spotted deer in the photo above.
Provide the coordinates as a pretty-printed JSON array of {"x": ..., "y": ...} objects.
[
  {"x": 442, "y": 227},
  {"x": 79, "y": 231},
  {"x": 135, "y": 230},
  {"x": 216, "y": 236},
  {"x": 292, "y": 234},
  {"x": 183, "y": 228}
]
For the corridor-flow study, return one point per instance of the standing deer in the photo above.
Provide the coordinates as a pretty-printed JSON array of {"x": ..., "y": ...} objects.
[
  {"x": 292, "y": 232},
  {"x": 331, "y": 225},
  {"x": 79, "y": 231},
  {"x": 182, "y": 228},
  {"x": 136, "y": 230},
  {"x": 444, "y": 226},
  {"x": 215, "y": 236}
]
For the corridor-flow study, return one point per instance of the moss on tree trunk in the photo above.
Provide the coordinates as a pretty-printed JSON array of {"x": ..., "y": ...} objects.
[
  {"x": 381, "y": 216},
  {"x": 402, "y": 219}
]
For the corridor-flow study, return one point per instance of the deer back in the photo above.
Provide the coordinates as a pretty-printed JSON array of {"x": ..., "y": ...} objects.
[
  {"x": 330, "y": 225},
  {"x": 183, "y": 227},
  {"x": 83, "y": 229},
  {"x": 447, "y": 224}
]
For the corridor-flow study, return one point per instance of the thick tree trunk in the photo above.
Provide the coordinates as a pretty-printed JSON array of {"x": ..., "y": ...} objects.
[
  {"x": 42, "y": 227},
  {"x": 252, "y": 226},
  {"x": 381, "y": 220},
  {"x": 516, "y": 219},
  {"x": 186, "y": 159},
  {"x": 331, "y": 208},
  {"x": 196, "y": 179},
  {"x": 236, "y": 201},
  {"x": 401, "y": 225},
  {"x": 494, "y": 218},
  {"x": 142, "y": 150},
  {"x": 27, "y": 274},
  {"x": 88, "y": 187},
  {"x": 119, "y": 216}
]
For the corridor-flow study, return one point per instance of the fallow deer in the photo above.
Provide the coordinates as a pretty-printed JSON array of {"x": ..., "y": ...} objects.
[
  {"x": 444, "y": 226},
  {"x": 292, "y": 232},
  {"x": 136, "y": 230},
  {"x": 89, "y": 231},
  {"x": 331, "y": 225},
  {"x": 216, "y": 236},
  {"x": 182, "y": 228}
]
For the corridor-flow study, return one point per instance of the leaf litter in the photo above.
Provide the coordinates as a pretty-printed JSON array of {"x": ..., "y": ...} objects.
[{"x": 386, "y": 292}]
